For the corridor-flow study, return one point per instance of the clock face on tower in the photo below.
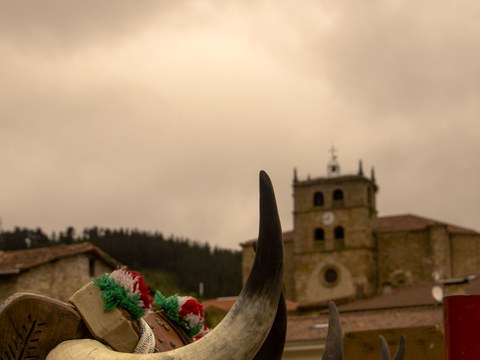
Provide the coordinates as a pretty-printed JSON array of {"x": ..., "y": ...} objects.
[{"x": 328, "y": 218}]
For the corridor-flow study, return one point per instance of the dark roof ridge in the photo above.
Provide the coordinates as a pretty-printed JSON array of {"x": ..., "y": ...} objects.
[
  {"x": 411, "y": 221},
  {"x": 15, "y": 261}
]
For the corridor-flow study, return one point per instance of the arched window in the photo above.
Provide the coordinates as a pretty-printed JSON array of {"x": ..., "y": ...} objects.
[
  {"x": 338, "y": 198},
  {"x": 319, "y": 234},
  {"x": 318, "y": 199},
  {"x": 339, "y": 235}
]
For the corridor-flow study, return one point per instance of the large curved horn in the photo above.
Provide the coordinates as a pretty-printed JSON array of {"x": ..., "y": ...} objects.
[
  {"x": 241, "y": 333},
  {"x": 272, "y": 348}
]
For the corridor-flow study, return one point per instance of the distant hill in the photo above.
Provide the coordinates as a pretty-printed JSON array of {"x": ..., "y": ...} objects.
[{"x": 172, "y": 264}]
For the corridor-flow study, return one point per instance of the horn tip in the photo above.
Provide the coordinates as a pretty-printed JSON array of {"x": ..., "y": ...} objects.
[{"x": 264, "y": 176}]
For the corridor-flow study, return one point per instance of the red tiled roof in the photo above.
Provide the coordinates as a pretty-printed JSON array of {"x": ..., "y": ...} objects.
[
  {"x": 413, "y": 295},
  {"x": 308, "y": 328},
  {"x": 407, "y": 306},
  {"x": 402, "y": 296},
  {"x": 12, "y": 262},
  {"x": 409, "y": 222},
  {"x": 287, "y": 236},
  {"x": 225, "y": 304},
  {"x": 401, "y": 317}
]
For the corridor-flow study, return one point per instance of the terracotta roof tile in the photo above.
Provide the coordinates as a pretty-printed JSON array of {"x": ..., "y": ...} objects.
[
  {"x": 287, "y": 236},
  {"x": 407, "y": 306},
  {"x": 410, "y": 222},
  {"x": 413, "y": 295},
  {"x": 311, "y": 328},
  {"x": 402, "y": 317},
  {"x": 20, "y": 260},
  {"x": 225, "y": 304},
  {"x": 307, "y": 327},
  {"x": 362, "y": 317},
  {"x": 220, "y": 304}
]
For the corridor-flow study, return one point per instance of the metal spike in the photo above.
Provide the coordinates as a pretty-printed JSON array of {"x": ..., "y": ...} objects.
[
  {"x": 401, "y": 349},
  {"x": 334, "y": 342},
  {"x": 384, "y": 350}
]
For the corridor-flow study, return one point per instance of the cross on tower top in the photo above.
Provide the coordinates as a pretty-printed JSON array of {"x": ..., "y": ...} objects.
[
  {"x": 332, "y": 150},
  {"x": 333, "y": 167}
]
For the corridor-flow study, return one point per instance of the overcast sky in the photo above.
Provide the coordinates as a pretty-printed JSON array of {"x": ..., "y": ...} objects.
[{"x": 158, "y": 115}]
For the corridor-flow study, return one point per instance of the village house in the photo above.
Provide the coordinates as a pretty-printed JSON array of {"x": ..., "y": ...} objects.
[{"x": 54, "y": 271}]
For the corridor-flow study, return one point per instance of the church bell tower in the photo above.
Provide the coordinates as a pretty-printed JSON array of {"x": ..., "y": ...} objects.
[{"x": 334, "y": 245}]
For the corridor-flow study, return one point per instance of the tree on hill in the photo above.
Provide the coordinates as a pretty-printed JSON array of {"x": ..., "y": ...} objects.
[{"x": 174, "y": 263}]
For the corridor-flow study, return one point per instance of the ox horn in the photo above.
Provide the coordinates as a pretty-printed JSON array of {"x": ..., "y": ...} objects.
[{"x": 243, "y": 330}]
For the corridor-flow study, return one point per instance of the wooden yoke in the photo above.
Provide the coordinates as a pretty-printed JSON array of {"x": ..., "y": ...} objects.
[
  {"x": 114, "y": 328},
  {"x": 32, "y": 325}
]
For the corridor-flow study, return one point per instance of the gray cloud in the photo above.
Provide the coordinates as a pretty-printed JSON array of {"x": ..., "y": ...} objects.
[
  {"x": 160, "y": 116},
  {"x": 58, "y": 26}
]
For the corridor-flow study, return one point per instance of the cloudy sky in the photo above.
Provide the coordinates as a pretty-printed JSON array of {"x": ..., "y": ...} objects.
[{"x": 158, "y": 115}]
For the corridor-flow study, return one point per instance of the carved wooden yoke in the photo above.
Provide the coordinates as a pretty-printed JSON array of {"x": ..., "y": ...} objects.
[{"x": 32, "y": 325}]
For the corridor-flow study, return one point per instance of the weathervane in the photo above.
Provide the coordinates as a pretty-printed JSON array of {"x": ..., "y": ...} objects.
[
  {"x": 333, "y": 167},
  {"x": 332, "y": 151}
]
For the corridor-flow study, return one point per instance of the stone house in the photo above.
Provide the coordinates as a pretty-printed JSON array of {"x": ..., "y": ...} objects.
[{"x": 55, "y": 271}]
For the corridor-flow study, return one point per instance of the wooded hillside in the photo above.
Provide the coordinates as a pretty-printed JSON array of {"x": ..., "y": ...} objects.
[{"x": 185, "y": 263}]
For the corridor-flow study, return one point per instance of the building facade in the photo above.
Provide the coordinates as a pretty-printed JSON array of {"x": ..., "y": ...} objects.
[
  {"x": 340, "y": 249},
  {"x": 55, "y": 271}
]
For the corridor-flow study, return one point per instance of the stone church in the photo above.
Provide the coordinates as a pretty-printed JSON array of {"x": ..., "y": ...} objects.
[{"x": 340, "y": 249}]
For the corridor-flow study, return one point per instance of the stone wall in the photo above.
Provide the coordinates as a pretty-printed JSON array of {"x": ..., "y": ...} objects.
[
  {"x": 289, "y": 272},
  {"x": 465, "y": 255},
  {"x": 404, "y": 258},
  {"x": 324, "y": 276},
  {"x": 440, "y": 249},
  {"x": 58, "y": 279}
]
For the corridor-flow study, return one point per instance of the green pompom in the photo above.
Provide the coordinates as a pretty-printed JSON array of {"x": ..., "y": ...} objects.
[
  {"x": 170, "y": 305},
  {"x": 115, "y": 295}
]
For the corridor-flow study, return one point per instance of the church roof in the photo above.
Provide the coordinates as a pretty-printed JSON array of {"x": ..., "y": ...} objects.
[
  {"x": 395, "y": 223},
  {"x": 334, "y": 180},
  {"x": 406, "y": 296},
  {"x": 406, "y": 306},
  {"x": 287, "y": 236},
  {"x": 410, "y": 222},
  {"x": 226, "y": 303},
  {"x": 14, "y": 262}
]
